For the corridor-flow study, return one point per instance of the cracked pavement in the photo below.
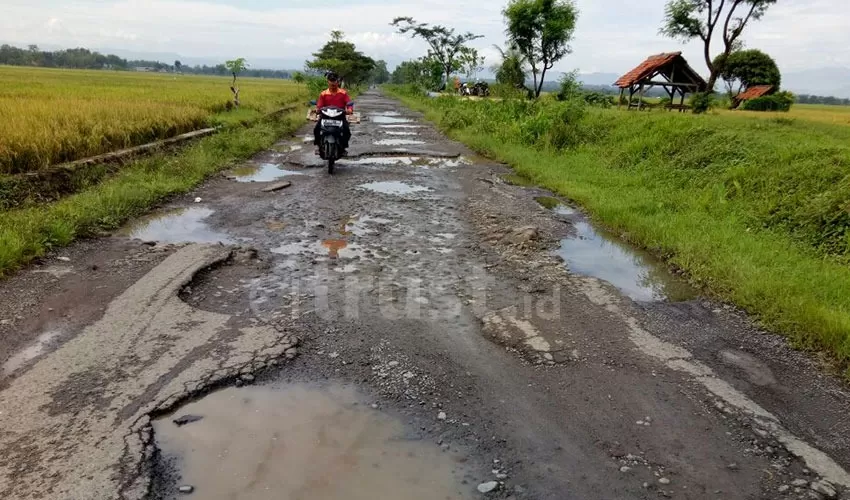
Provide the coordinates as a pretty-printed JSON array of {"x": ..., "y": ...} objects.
[{"x": 417, "y": 274}]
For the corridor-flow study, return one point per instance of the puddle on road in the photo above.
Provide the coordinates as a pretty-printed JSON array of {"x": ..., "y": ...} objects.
[
  {"x": 32, "y": 351},
  {"x": 359, "y": 225},
  {"x": 333, "y": 248},
  {"x": 393, "y": 187},
  {"x": 264, "y": 172},
  {"x": 389, "y": 119},
  {"x": 299, "y": 442},
  {"x": 564, "y": 210},
  {"x": 400, "y": 127},
  {"x": 383, "y": 160},
  {"x": 392, "y": 132},
  {"x": 180, "y": 225},
  {"x": 634, "y": 272},
  {"x": 398, "y": 142}
]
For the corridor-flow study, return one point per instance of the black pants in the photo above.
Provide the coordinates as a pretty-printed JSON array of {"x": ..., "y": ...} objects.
[{"x": 346, "y": 134}]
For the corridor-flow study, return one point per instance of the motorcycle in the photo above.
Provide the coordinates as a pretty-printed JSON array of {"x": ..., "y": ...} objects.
[{"x": 331, "y": 120}]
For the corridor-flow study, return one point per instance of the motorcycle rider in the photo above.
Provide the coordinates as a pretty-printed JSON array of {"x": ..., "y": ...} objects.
[{"x": 338, "y": 97}]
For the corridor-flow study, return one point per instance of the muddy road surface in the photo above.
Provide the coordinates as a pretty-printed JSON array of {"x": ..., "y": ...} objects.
[{"x": 412, "y": 327}]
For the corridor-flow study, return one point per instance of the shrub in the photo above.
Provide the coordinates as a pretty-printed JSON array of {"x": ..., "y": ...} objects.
[
  {"x": 701, "y": 102},
  {"x": 781, "y": 101}
]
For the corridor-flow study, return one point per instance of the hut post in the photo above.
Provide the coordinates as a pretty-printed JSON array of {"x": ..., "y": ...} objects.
[
  {"x": 640, "y": 96},
  {"x": 620, "y": 100}
]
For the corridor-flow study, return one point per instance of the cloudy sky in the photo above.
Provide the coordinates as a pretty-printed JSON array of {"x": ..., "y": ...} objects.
[{"x": 612, "y": 35}]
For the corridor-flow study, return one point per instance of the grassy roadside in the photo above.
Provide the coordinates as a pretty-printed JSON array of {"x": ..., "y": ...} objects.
[
  {"x": 754, "y": 210},
  {"x": 29, "y": 233}
]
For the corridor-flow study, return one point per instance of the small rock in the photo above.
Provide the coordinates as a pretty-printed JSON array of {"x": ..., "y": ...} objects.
[
  {"x": 64, "y": 259},
  {"x": 732, "y": 466},
  {"x": 5, "y": 322},
  {"x": 291, "y": 353},
  {"x": 374, "y": 406},
  {"x": 800, "y": 482},
  {"x": 149, "y": 243},
  {"x": 488, "y": 486},
  {"x": 646, "y": 485},
  {"x": 824, "y": 488},
  {"x": 441, "y": 415},
  {"x": 392, "y": 363},
  {"x": 198, "y": 199},
  {"x": 501, "y": 476},
  {"x": 333, "y": 355},
  {"x": 663, "y": 480},
  {"x": 784, "y": 488},
  {"x": 625, "y": 468},
  {"x": 186, "y": 489},
  {"x": 408, "y": 375},
  {"x": 248, "y": 378},
  {"x": 186, "y": 419}
]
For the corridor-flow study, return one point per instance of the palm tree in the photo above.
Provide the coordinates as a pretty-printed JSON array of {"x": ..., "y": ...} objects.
[{"x": 512, "y": 70}]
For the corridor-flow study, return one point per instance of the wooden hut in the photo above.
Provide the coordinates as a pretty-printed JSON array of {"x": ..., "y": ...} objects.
[
  {"x": 753, "y": 92},
  {"x": 669, "y": 71}
]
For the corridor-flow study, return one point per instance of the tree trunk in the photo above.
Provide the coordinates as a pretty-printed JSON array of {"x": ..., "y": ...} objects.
[{"x": 539, "y": 88}]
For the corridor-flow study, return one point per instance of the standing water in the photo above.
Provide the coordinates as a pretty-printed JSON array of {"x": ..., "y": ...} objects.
[{"x": 303, "y": 442}]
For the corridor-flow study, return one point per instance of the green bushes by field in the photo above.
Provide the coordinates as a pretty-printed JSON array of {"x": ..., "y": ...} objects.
[{"x": 756, "y": 210}]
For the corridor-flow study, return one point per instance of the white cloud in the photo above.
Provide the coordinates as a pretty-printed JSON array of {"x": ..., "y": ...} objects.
[{"x": 612, "y": 35}]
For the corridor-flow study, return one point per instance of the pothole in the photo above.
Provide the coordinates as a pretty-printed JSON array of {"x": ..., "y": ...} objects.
[
  {"x": 399, "y": 126},
  {"x": 389, "y": 119},
  {"x": 299, "y": 441},
  {"x": 179, "y": 225},
  {"x": 398, "y": 142},
  {"x": 332, "y": 248},
  {"x": 400, "y": 133},
  {"x": 264, "y": 172},
  {"x": 636, "y": 273},
  {"x": 396, "y": 188},
  {"x": 41, "y": 345}
]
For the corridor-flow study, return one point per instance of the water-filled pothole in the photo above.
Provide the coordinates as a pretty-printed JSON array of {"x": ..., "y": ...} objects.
[
  {"x": 393, "y": 187},
  {"x": 400, "y": 133},
  {"x": 180, "y": 225},
  {"x": 398, "y": 142},
  {"x": 389, "y": 119},
  {"x": 303, "y": 442},
  {"x": 264, "y": 172},
  {"x": 636, "y": 273},
  {"x": 400, "y": 126}
]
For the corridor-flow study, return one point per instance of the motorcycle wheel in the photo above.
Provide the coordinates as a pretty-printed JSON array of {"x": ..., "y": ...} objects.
[{"x": 331, "y": 155}]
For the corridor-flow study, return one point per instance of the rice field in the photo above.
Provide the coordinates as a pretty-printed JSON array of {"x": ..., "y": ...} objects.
[{"x": 50, "y": 116}]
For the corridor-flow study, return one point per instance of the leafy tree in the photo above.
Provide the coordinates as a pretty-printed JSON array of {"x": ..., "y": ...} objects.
[
  {"x": 511, "y": 71},
  {"x": 747, "y": 68},
  {"x": 380, "y": 74},
  {"x": 541, "y": 30},
  {"x": 570, "y": 86},
  {"x": 178, "y": 65},
  {"x": 470, "y": 62},
  {"x": 341, "y": 57},
  {"x": 235, "y": 67},
  {"x": 687, "y": 20},
  {"x": 425, "y": 72},
  {"x": 446, "y": 46}
]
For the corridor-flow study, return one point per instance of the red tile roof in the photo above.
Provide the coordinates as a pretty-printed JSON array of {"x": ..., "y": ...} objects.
[
  {"x": 646, "y": 68},
  {"x": 754, "y": 92}
]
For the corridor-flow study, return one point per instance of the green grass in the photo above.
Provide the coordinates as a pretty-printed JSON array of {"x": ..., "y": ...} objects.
[
  {"x": 31, "y": 232},
  {"x": 756, "y": 210}
]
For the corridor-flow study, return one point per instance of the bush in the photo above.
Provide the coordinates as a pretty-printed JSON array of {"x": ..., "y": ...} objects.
[
  {"x": 701, "y": 102},
  {"x": 598, "y": 99},
  {"x": 505, "y": 91},
  {"x": 776, "y": 102}
]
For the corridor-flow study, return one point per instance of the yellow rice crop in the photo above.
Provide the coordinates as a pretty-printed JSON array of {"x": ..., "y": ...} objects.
[{"x": 51, "y": 116}]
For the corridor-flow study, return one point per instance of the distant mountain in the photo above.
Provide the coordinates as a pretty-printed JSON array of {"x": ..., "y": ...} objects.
[
  {"x": 822, "y": 81},
  {"x": 598, "y": 79}
]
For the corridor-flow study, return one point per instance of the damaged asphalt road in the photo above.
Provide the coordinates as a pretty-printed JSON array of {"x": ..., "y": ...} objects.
[{"x": 437, "y": 322}]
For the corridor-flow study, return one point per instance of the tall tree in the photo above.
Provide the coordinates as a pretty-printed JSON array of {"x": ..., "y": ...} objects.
[
  {"x": 747, "y": 68},
  {"x": 380, "y": 74},
  {"x": 178, "y": 65},
  {"x": 341, "y": 57},
  {"x": 470, "y": 62},
  {"x": 445, "y": 44},
  {"x": 541, "y": 30},
  {"x": 235, "y": 66},
  {"x": 688, "y": 20},
  {"x": 511, "y": 71}
]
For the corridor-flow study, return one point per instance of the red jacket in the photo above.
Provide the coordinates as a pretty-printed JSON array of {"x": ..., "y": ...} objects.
[{"x": 340, "y": 99}]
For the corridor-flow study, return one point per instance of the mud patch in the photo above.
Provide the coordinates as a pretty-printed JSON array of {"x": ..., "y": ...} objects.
[
  {"x": 634, "y": 272},
  {"x": 300, "y": 441},
  {"x": 41, "y": 345},
  {"x": 396, "y": 188},
  {"x": 264, "y": 172},
  {"x": 180, "y": 225}
]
